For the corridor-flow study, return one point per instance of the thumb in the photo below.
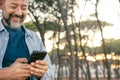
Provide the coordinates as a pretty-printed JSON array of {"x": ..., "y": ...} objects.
[{"x": 21, "y": 60}]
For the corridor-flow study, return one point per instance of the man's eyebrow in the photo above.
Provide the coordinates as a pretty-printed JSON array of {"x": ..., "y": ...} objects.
[{"x": 22, "y": 4}]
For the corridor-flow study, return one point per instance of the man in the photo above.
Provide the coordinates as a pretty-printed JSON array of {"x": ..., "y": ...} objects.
[{"x": 17, "y": 43}]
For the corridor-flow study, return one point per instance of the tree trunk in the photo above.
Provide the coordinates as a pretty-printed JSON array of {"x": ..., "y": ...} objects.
[
  {"x": 107, "y": 63},
  {"x": 68, "y": 37},
  {"x": 58, "y": 54}
]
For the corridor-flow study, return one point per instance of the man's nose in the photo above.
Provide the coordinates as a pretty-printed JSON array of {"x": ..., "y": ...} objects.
[{"x": 18, "y": 11}]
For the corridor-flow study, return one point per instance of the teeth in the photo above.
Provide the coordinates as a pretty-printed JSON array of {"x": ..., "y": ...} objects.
[{"x": 16, "y": 17}]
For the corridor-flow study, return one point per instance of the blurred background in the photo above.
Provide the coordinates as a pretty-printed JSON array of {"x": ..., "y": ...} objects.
[{"x": 82, "y": 37}]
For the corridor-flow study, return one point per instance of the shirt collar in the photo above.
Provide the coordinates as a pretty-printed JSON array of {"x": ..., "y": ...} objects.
[
  {"x": 1, "y": 26},
  {"x": 27, "y": 31}
]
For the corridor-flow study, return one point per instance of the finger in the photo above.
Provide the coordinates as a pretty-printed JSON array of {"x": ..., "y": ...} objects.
[
  {"x": 41, "y": 62},
  {"x": 21, "y": 60},
  {"x": 24, "y": 76},
  {"x": 20, "y": 66},
  {"x": 38, "y": 72},
  {"x": 23, "y": 73},
  {"x": 39, "y": 66},
  {"x": 24, "y": 66}
]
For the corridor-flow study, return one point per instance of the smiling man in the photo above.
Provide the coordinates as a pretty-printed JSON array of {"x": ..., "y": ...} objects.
[
  {"x": 14, "y": 12},
  {"x": 17, "y": 43}
]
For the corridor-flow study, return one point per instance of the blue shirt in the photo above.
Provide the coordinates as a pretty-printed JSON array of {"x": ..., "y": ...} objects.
[
  {"x": 18, "y": 49},
  {"x": 33, "y": 42}
]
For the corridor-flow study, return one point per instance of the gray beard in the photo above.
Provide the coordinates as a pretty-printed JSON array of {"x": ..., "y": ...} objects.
[{"x": 15, "y": 25}]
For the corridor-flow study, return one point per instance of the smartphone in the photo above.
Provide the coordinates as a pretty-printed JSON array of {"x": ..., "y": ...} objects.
[{"x": 37, "y": 55}]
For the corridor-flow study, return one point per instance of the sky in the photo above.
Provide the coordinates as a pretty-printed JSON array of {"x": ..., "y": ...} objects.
[{"x": 109, "y": 10}]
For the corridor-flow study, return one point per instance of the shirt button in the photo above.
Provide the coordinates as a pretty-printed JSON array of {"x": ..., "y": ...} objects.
[
  {"x": 6, "y": 38},
  {"x": 1, "y": 52}
]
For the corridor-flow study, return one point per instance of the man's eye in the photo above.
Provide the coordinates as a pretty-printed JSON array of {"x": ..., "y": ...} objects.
[
  {"x": 13, "y": 7},
  {"x": 24, "y": 8}
]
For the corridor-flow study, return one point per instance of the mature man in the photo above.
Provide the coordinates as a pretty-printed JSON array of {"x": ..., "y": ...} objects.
[{"x": 17, "y": 43}]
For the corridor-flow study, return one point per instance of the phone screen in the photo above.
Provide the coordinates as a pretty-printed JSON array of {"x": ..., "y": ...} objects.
[{"x": 37, "y": 55}]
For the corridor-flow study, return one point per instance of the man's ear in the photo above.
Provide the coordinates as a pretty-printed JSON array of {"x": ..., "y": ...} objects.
[{"x": 0, "y": 4}]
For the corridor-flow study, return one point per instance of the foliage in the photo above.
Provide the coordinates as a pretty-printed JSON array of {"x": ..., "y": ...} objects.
[
  {"x": 48, "y": 2},
  {"x": 31, "y": 26},
  {"x": 90, "y": 24},
  {"x": 50, "y": 26},
  {"x": 113, "y": 45}
]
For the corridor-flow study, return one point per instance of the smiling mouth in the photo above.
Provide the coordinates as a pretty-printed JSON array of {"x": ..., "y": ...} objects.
[{"x": 16, "y": 18}]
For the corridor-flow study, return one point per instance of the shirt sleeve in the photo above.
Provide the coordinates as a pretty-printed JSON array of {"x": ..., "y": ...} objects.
[{"x": 49, "y": 75}]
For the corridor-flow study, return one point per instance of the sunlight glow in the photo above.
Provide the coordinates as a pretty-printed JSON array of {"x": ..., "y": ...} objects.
[
  {"x": 97, "y": 57},
  {"x": 108, "y": 11}
]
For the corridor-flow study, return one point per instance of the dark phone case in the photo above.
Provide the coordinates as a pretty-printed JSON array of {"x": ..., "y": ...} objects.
[{"x": 37, "y": 55}]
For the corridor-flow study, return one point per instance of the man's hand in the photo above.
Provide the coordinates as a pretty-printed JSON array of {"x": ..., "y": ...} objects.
[
  {"x": 18, "y": 70},
  {"x": 39, "y": 68}
]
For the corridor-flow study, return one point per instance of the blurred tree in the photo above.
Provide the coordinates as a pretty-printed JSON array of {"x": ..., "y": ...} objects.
[
  {"x": 39, "y": 10},
  {"x": 31, "y": 26},
  {"x": 113, "y": 45},
  {"x": 107, "y": 64},
  {"x": 64, "y": 7},
  {"x": 58, "y": 15}
]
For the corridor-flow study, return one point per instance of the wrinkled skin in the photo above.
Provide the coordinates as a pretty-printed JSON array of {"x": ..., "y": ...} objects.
[{"x": 14, "y": 12}]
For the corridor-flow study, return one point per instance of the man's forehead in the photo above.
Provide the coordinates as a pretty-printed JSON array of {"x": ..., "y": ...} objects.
[
  {"x": 13, "y": 0},
  {"x": 23, "y": 1}
]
